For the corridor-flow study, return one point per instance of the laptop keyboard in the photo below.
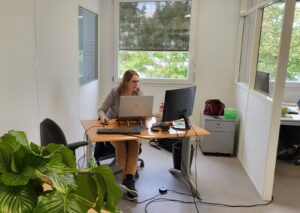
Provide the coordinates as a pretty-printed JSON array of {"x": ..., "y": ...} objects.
[{"x": 120, "y": 131}]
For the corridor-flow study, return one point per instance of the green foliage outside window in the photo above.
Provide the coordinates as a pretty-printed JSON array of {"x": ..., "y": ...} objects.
[
  {"x": 168, "y": 65},
  {"x": 154, "y": 38},
  {"x": 270, "y": 40}
]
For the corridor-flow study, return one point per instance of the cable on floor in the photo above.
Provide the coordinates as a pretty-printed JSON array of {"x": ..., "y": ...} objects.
[{"x": 199, "y": 201}]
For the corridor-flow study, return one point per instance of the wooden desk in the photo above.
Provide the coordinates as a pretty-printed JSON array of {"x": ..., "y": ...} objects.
[{"x": 91, "y": 127}]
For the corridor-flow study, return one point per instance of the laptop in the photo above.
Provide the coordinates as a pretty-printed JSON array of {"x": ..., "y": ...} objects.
[{"x": 135, "y": 107}]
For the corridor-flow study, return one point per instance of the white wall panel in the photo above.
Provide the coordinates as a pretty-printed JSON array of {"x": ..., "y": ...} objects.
[
  {"x": 18, "y": 85},
  {"x": 216, "y": 45},
  {"x": 39, "y": 66},
  {"x": 256, "y": 138},
  {"x": 241, "y": 94},
  {"x": 106, "y": 48},
  {"x": 57, "y": 49}
]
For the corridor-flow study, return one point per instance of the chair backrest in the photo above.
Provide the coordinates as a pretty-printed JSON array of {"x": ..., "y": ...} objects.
[{"x": 51, "y": 133}]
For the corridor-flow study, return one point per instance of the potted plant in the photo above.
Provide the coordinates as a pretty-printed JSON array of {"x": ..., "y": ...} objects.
[{"x": 25, "y": 168}]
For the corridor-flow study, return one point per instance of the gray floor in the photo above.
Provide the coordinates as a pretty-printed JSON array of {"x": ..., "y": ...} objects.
[{"x": 220, "y": 180}]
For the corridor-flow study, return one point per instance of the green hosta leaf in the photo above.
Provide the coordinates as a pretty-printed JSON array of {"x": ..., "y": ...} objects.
[
  {"x": 113, "y": 192},
  {"x": 37, "y": 162},
  {"x": 11, "y": 141},
  {"x": 22, "y": 178},
  {"x": 6, "y": 153},
  {"x": 101, "y": 190},
  {"x": 20, "y": 137},
  {"x": 86, "y": 187},
  {"x": 55, "y": 170},
  {"x": 55, "y": 163},
  {"x": 52, "y": 148},
  {"x": 46, "y": 163},
  {"x": 64, "y": 183},
  {"x": 68, "y": 157},
  {"x": 21, "y": 199},
  {"x": 36, "y": 149},
  {"x": 18, "y": 162},
  {"x": 56, "y": 202}
]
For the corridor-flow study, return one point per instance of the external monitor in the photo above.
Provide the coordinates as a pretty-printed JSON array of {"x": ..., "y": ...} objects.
[
  {"x": 179, "y": 104},
  {"x": 262, "y": 81}
]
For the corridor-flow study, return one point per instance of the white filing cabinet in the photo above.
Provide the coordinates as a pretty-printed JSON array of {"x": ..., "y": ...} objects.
[{"x": 221, "y": 138}]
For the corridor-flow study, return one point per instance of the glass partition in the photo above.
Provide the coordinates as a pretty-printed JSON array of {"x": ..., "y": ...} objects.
[
  {"x": 293, "y": 69},
  {"x": 269, "y": 48},
  {"x": 247, "y": 45}
]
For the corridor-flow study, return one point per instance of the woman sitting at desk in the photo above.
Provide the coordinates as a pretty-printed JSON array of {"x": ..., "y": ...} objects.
[{"x": 127, "y": 152}]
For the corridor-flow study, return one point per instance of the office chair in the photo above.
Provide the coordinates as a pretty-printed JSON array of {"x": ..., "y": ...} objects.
[
  {"x": 105, "y": 150},
  {"x": 51, "y": 133}
]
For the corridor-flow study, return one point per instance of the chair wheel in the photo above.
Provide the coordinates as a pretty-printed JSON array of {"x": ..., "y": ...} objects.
[{"x": 137, "y": 175}]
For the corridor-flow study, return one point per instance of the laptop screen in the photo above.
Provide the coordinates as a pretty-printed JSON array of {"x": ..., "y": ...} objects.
[{"x": 135, "y": 106}]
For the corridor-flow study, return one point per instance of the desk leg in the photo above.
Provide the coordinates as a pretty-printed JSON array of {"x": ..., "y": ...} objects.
[
  {"x": 185, "y": 170},
  {"x": 89, "y": 151}
]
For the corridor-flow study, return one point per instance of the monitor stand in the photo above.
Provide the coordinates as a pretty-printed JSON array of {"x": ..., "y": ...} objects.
[
  {"x": 185, "y": 171},
  {"x": 160, "y": 126},
  {"x": 182, "y": 124}
]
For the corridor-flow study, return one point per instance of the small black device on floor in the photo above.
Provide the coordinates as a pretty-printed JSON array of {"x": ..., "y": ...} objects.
[{"x": 163, "y": 190}]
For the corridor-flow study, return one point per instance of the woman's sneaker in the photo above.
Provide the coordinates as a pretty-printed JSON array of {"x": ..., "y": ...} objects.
[
  {"x": 131, "y": 197},
  {"x": 128, "y": 185}
]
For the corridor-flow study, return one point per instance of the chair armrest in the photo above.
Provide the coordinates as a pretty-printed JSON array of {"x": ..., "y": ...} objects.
[{"x": 76, "y": 145}]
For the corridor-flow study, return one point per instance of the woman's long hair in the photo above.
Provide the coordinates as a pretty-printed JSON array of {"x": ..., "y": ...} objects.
[{"x": 126, "y": 78}]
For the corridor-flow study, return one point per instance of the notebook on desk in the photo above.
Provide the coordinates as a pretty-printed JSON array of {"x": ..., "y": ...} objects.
[{"x": 135, "y": 107}]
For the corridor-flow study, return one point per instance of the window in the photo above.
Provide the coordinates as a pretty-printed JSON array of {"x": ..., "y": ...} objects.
[
  {"x": 247, "y": 44},
  {"x": 293, "y": 70},
  {"x": 153, "y": 38},
  {"x": 88, "y": 45},
  {"x": 269, "y": 46}
]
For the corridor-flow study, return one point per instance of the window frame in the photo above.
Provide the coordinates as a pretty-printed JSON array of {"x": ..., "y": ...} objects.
[
  {"x": 244, "y": 75},
  {"x": 258, "y": 8},
  {"x": 192, "y": 49},
  {"x": 97, "y": 45}
]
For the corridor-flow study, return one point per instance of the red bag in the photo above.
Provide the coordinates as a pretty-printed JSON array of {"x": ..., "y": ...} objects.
[{"x": 214, "y": 107}]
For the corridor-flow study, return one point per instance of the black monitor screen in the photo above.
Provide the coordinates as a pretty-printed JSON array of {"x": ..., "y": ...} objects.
[
  {"x": 262, "y": 81},
  {"x": 179, "y": 104}
]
